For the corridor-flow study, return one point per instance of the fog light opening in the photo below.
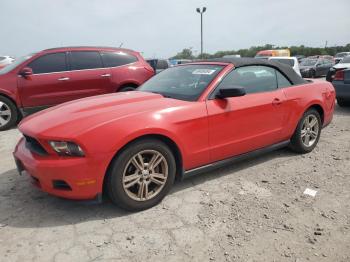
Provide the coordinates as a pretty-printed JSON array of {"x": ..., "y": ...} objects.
[{"x": 61, "y": 185}]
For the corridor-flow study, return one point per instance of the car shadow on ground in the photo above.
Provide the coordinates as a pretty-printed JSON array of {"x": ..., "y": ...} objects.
[
  {"x": 23, "y": 206},
  {"x": 342, "y": 111}
]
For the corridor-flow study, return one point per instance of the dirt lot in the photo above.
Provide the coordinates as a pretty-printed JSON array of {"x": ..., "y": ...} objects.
[{"x": 253, "y": 211}]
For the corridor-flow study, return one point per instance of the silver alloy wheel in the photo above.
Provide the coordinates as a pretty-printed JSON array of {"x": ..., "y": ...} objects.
[
  {"x": 310, "y": 130},
  {"x": 5, "y": 114},
  {"x": 145, "y": 175}
]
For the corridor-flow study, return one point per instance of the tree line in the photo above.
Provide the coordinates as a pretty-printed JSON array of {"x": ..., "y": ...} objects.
[{"x": 187, "y": 53}]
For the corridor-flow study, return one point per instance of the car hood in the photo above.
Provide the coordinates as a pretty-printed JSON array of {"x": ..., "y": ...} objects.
[
  {"x": 74, "y": 118},
  {"x": 342, "y": 65}
]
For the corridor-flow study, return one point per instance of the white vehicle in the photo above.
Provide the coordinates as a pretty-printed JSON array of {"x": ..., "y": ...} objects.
[
  {"x": 338, "y": 57},
  {"x": 5, "y": 60},
  {"x": 343, "y": 64},
  {"x": 231, "y": 56},
  {"x": 291, "y": 61}
]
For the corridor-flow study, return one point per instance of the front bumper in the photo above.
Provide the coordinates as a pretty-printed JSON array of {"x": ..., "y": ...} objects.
[{"x": 72, "y": 178}]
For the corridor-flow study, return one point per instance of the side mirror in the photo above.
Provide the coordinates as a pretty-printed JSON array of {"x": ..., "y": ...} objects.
[
  {"x": 231, "y": 91},
  {"x": 26, "y": 72}
]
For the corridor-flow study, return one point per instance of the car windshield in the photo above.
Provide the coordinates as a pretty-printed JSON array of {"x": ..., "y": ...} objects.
[
  {"x": 346, "y": 60},
  {"x": 182, "y": 82},
  {"x": 16, "y": 63},
  {"x": 308, "y": 62}
]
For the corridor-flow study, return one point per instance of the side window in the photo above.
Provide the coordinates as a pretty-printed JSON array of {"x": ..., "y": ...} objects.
[
  {"x": 81, "y": 60},
  {"x": 113, "y": 59},
  {"x": 255, "y": 79},
  {"x": 49, "y": 63},
  {"x": 282, "y": 80}
]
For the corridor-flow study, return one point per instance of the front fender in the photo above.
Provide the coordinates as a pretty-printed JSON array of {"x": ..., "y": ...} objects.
[{"x": 150, "y": 131}]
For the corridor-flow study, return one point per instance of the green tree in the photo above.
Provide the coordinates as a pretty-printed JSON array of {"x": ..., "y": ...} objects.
[
  {"x": 251, "y": 52},
  {"x": 186, "y": 53}
]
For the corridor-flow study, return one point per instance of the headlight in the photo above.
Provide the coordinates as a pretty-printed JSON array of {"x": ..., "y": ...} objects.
[{"x": 67, "y": 148}]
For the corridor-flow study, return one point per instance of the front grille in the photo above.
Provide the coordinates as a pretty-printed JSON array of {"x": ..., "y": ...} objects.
[{"x": 34, "y": 146}]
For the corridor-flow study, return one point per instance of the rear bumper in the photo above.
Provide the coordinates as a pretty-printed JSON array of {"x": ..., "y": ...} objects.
[
  {"x": 342, "y": 90},
  {"x": 72, "y": 178}
]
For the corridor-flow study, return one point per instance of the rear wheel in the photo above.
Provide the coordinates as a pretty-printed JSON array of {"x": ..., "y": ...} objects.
[
  {"x": 307, "y": 133},
  {"x": 127, "y": 88},
  {"x": 142, "y": 175},
  {"x": 8, "y": 113}
]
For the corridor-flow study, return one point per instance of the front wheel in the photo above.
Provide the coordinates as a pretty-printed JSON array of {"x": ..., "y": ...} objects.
[
  {"x": 142, "y": 175},
  {"x": 312, "y": 74},
  {"x": 307, "y": 133},
  {"x": 8, "y": 113}
]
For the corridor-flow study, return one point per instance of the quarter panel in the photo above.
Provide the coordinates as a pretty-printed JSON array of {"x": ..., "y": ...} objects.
[{"x": 299, "y": 98}]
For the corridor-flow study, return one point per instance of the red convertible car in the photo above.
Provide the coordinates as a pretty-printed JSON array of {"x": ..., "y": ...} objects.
[{"x": 185, "y": 120}]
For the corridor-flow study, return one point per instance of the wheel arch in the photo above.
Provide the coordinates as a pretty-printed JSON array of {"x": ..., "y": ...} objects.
[
  {"x": 313, "y": 105},
  {"x": 319, "y": 109},
  {"x": 163, "y": 138},
  {"x": 9, "y": 97},
  {"x": 20, "y": 115},
  {"x": 128, "y": 84}
]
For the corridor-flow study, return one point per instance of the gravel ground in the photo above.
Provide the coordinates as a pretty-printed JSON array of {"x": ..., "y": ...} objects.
[{"x": 252, "y": 211}]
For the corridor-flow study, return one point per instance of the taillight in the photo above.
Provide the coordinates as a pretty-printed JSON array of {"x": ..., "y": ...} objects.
[{"x": 339, "y": 75}]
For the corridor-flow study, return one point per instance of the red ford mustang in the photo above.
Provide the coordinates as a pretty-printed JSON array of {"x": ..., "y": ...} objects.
[{"x": 187, "y": 119}]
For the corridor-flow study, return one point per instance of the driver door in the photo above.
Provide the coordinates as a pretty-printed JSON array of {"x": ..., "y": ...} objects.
[{"x": 242, "y": 124}]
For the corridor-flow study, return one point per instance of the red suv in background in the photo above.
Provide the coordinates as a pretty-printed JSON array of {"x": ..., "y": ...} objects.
[{"x": 58, "y": 75}]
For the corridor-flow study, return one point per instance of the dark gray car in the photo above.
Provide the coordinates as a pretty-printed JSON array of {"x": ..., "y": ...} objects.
[
  {"x": 341, "y": 84},
  {"x": 159, "y": 64},
  {"x": 315, "y": 67}
]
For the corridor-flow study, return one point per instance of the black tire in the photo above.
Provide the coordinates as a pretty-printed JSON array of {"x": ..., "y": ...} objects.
[
  {"x": 312, "y": 74},
  {"x": 296, "y": 142},
  {"x": 115, "y": 187},
  {"x": 342, "y": 102},
  {"x": 127, "y": 88},
  {"x": 11, "y": 120}
]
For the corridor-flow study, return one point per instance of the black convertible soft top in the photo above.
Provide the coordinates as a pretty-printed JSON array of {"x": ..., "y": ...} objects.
[{"x": 284, "y": 69}]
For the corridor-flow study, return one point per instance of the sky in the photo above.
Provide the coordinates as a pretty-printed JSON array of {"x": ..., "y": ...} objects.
[{"x": 161, "y": 28}]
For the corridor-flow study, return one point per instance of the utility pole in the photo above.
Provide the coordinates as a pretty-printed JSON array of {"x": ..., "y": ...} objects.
[{"x": 201, "y": 11}]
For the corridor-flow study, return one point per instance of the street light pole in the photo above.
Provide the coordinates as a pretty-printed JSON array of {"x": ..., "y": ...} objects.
[{"x": 201, "y": 11}]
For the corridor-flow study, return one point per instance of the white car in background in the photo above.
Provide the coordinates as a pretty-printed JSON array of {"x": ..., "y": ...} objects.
[
  {"x": 338, "y": 57},
  {"x": 287, "y": 60},
  {"x": 5, "y": 60},
  {"x": 343, "y": 64}
]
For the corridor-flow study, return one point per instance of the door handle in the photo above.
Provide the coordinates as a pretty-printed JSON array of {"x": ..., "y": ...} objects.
[
  {"x": 63, "y": 79},
  {"x": 106, "y": 75},
  {"x": 276, "y": 102}
]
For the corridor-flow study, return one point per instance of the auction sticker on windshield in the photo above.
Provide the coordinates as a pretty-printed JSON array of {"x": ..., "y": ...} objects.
[{"x": 203, "y": 71}]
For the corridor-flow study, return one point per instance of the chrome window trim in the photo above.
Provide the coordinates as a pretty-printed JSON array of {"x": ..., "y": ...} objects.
[{"x": 85, "y": 69}]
